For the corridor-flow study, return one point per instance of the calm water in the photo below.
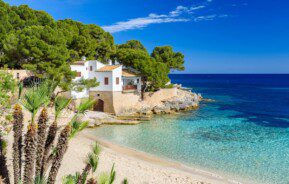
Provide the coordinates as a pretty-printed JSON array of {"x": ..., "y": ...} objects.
[{"x": 244, "y": 134}]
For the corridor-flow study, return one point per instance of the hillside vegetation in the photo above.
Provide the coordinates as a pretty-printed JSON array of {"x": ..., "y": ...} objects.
[{"x": 33, "y": 40}]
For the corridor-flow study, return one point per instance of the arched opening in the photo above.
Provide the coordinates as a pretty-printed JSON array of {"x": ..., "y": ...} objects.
[{"x": 99, "y": 105}]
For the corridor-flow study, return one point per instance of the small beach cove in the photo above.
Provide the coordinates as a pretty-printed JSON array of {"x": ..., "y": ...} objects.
[
  {"x": 244, "y": 134},
  {"x": 138, "y": 166}
]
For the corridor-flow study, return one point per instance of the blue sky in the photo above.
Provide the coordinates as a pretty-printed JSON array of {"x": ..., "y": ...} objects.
[{"x": 216, "y": 36}]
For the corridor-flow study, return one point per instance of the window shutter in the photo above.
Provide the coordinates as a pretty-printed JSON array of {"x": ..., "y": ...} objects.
[{"x": 106, "y": 80}]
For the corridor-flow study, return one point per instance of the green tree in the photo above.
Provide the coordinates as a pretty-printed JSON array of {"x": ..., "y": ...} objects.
[
  {"x": 155, "y": 74},
  {"x": 165, "y": 54},
  {"x": 132, "y": 44},
  {"x": 7, "y": 88}
]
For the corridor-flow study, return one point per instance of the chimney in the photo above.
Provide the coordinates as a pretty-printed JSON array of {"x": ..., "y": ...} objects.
[{"x": 83, "y": 58}]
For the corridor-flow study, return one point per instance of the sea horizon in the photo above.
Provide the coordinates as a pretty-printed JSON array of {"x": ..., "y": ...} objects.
[{"x": 243, "y": 134}]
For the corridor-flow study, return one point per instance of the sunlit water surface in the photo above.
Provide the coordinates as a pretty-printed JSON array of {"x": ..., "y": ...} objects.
[{"x": 244, "y": 134}]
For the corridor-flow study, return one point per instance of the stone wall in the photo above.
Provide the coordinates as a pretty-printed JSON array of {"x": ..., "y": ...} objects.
[
  {"x": 107, "y": 97},
  {"x": 20, "y": 74},
  {"x": 119, "y": 102},
  {"x": 123, "y": 101},
  {"x": 155, "y": 98}
]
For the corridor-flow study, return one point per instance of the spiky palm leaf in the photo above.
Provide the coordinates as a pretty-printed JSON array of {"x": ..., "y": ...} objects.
[
  {"x": 30, "y": 154},
  {"x": 61, "y": 148},
  {"x": 4, "y": 174},
  {"x": 125, "y": 181},
  {"x": 71, "y": 179},
  {"x": 40, "y": 180},
  {"x": 60, "y": 104},
  {"x": 41, "y": 135},
  {"x": 91, "y": 164},
  {"x": 112, "y": 175},
  {"x": 85, "y": 106},
  {"x": 103, "y": 178},
  {"x": 34, "y": 98},
  {"x": 17, "y": 144},
  {"x": 77, "y": 127}
]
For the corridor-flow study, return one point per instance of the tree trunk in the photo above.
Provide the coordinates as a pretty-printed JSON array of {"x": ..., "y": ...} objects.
[
  {"x": 17, "y": 144},
  {"x": 30, "y": 154},
  {"x": 41, "y": 135},
  {"x": 48, "y": 145},
  {"x": 84, "y": 173},
  {"x": 61, "y": 148},
  {"x": 91, "y": 181}
]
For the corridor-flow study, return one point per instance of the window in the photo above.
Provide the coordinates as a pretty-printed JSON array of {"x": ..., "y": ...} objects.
[
  {"x": 105, "y": 80},
  {"x": 78, "y": 74},
  {"x": 90, "y": 68},
  {"x": 117, "y": 81}
]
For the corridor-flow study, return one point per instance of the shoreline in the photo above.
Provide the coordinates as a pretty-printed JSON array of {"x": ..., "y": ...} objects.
[{"x": 200, "y": 175}]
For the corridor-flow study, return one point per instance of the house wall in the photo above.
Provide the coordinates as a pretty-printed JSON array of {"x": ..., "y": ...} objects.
[
  {"x": 80, "y": 68},
  {"x": 21, "y": 73},
  {"x": 112, "y": 75},
  {"x": 117, "y": 73},
  {"x": 100, "y": 78}
]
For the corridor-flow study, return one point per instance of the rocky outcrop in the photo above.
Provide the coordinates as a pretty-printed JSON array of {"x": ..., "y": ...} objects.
[{"x": 182, "y": 101}]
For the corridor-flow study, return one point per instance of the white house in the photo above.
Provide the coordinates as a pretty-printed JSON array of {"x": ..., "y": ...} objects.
[{"x": 113, "y": 80}]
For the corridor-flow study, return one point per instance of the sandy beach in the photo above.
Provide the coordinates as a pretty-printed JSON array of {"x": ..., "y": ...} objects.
[{"x": 136, "y": 166}]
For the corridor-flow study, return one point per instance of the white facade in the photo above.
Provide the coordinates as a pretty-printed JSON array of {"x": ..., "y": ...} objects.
[{"x": 110, "y": 77}]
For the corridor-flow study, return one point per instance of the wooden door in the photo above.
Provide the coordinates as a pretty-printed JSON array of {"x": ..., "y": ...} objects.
[{"x": 99, "y": 105}]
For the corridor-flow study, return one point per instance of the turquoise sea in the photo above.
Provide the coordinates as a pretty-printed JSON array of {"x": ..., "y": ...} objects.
[{"x": 244, "y": 134}]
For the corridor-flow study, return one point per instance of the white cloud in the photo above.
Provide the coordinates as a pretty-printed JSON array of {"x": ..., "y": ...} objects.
[
  {"x": 206, "y": 17},
  {"x": 139, "y": 23},
  {"x": 179, "y": 14}
]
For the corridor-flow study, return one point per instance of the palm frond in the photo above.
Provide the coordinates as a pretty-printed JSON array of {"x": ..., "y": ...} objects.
[
  {"x": 96, "y": 148},
  {"x": 34, "y": 98},
  {"x": 103, "y": 178},
  {"x": 40, "y": 180},
  {"x": 60, "y": 104},
  {"x": 125, "y": 181},
  {"x": 77, "y": 127},
  {"x": 112, "y": 175},
  {"x": 71, "y": 179},
  {"x": 93, "y": 161},
  {"x": 85, "y": 106}
]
